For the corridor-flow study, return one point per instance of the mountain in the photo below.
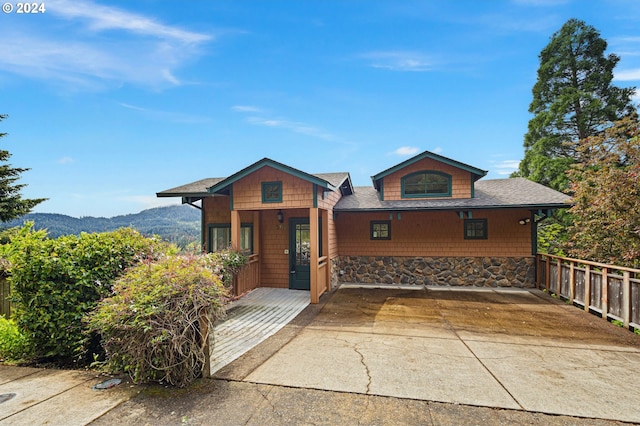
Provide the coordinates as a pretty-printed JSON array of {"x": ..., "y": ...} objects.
[{"x": 177, "y": 224}]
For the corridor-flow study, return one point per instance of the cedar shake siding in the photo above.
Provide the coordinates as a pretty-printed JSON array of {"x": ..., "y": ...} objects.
[
  {"x": 450, "y": 228},
  {"x": 460, "y": 179},
  {"x": 431, "y": 234}
]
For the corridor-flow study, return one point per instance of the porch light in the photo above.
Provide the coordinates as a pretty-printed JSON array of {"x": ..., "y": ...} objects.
[
  {"x": 280, "y": 216},
  {"x": 524, "y": 221}
]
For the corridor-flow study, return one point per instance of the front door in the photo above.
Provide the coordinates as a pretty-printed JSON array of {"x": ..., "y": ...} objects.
[{"x": 299, "y": 254}]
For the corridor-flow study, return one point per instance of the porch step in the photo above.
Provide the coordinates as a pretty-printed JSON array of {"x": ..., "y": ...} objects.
[{"x": 252, "y": 319}]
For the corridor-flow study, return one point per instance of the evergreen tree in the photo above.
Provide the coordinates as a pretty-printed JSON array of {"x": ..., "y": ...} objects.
[
  {"x": 12, "y": 205},
  {"x": 573, "y": 99}
]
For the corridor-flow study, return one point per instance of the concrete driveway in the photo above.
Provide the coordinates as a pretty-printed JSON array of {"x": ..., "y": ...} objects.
[
  {"x": 380, "y": 357},
  {"x": 515, "y": 349}
]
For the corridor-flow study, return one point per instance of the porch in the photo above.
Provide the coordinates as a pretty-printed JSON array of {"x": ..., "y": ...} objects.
[{"x": 289, "y": 249}]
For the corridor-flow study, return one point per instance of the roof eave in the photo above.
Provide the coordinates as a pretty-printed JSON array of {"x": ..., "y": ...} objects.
[{"x": 456, "y": 208}]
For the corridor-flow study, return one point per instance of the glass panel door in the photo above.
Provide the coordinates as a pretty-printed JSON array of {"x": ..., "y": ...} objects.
[{"x": 299, "y": 254}]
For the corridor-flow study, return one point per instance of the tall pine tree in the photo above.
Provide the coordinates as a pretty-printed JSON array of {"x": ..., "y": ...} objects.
[
  {"x": 12, "y": 205},
  {"x": 573, "y": 99}
]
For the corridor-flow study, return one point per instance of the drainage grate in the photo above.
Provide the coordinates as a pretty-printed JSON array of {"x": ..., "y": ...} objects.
[{"x": 4, "y": 397}]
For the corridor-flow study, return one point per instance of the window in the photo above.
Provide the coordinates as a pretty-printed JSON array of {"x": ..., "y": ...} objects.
[
  {"x": 426, "y": 184},
  {"x": 381, "y": 230},
  {"x": 220, "y": 237},
  {"x": 475, "y": 229},
  {"x": 271, "y": 192}
]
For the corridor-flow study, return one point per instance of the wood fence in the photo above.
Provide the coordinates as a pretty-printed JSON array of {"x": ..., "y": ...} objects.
[
  {"x": 610, "y": 291},
  {"x": 5, "y": 292}
]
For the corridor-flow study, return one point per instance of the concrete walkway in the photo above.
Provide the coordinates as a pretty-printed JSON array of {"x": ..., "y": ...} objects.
[
  {"x": 252, "y": 319},
  {"x": 35, "y": 396}
]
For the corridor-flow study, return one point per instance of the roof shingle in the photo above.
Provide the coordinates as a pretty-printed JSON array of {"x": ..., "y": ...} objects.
[{"x": 495, "y": 193}]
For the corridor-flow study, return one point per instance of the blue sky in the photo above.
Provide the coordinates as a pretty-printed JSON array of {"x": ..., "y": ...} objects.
[{"x": 111, "y": 102}]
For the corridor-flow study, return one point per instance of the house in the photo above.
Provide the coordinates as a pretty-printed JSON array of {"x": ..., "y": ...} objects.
[{"x": 429, "y": 220}]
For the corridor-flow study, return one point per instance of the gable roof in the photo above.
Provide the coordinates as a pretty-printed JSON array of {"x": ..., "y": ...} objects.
[
  {"x": 475, "y": 172},
  {"x": 219, "y": 186},
  {"x": 489, "y": 194},
  {"x": 223, "y": 185}
]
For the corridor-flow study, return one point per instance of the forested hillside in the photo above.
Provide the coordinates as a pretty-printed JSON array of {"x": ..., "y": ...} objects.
[{"x": 177, "y": 224}]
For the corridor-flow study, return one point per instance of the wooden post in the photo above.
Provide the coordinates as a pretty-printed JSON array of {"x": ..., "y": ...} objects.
[
  {"x": 587, "y": 287},
  {"x": 235, "y": 229},
  {"x": 204, "y": 333},
  {"x": 313, "y": 265},
  {"x": 572, "y": 281},
  {"x": 547, "y": 273},
  {"x": 605, "y": 293},
  {"x": 626, "y": 298},
  {"x": 256, "y": 243},
  {"x": 559, "y": 277}
]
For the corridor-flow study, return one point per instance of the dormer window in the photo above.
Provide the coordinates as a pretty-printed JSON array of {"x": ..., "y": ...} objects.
[{"x": 426, "y": 184}]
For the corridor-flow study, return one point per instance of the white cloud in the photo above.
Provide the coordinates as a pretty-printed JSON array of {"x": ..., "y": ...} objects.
[
  {"x": 628, "y": 75},
  {"x": 176, "y": 117},
  {"x": 100, "y": 18},
  {"x": 66, "y": 160},
  {"x": 506, "y": 167},
  {"x": 293, "y": 126},
  {"x": 399, "y": 61},
  {"x": 406, "y": 150},
  {"x": 437, "y": 150},
  {"x": 90, "y": 46},
  {"x": 245, "y": 108}
]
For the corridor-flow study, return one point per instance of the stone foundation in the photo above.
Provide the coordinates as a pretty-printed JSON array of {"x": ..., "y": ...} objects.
[
  {"x": 445, "y": 271},
  {"x": 335, "y": 272}
]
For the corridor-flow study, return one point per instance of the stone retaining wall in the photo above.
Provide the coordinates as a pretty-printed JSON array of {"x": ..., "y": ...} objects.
[{"x": 452, "y": 271}]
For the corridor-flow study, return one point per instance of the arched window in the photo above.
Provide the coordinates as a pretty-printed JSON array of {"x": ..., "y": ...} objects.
[{"x": 426, "y": 184}]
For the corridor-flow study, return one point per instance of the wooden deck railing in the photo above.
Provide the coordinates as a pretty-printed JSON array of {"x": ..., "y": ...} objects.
[
  {"x": 249, "y": 276},
  {"x": 608, "y": 290},
  {"x": 322, "y": 275}
]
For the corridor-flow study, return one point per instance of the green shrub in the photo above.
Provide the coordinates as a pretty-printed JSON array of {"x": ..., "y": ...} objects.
[
  {"x": 14, "y": 346},
  {"x": 55, "y": 282},
  {"x": 151, "y": 326}
]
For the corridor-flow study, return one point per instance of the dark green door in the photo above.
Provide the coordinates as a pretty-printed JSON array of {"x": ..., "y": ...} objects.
[{"x": 299, "y": 254}]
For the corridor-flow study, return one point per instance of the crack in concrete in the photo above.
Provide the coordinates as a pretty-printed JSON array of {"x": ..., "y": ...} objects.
[
  {"x": 366, "y": 368},
  {"x": 265, "y": 397},
  {"x": 355, "y": 348},
  {"x": 452, "y": 328}
]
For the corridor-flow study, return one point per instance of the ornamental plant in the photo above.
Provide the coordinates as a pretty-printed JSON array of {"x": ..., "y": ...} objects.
[
  {"x": 55, "y": 282},
  {"x": 155, "y": 326}
]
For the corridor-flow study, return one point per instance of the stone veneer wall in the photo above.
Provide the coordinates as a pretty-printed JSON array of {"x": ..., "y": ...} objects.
[
  {"x": 335, "y": 273},
  {"x": 453, "y": 271}
]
